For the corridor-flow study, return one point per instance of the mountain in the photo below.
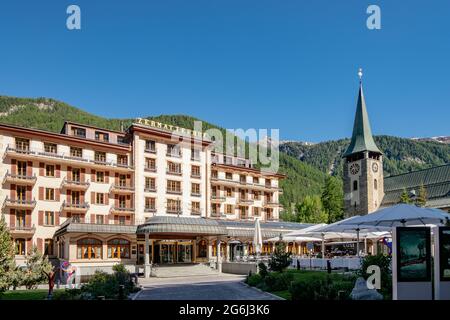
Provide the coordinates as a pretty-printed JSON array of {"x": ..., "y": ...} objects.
[
  {"x": 400, "y": 154},
  {"x": 49, "y": 114},
  {"x": 441, "y": 139}
]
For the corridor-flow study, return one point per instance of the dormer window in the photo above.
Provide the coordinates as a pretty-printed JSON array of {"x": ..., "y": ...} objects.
[
  {"x": 79, "y": 132},
  {"x": 101, "y": 136}
]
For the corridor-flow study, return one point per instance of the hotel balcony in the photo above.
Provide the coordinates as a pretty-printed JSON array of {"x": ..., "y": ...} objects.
[
  {"x": 195, "y": 158},
  {"x": 121, "y": 189},
  {"x": 121, "y": 210},
  {"x": 19, "y": 203},
  {"x": 217, "y": 215},
  {"x": 152, "y": 210},
  {"x": 228, "y": 182},
  {"x": 150, "y": 169},
  {"x": 150, "y": 189},
  {"x": 174, "y": 211},
  {"x": 245, "y": 201},
  {"x": 22, "y": 230},
  {"x": 27, "y": 153},
  {"x": 270, "y": 203},
  {"x": 75, "y": 185},
  {"x": 196, "y": 212},
  {"x": 196, "y": 194},
  {"x": 216, "y": 198},
  {"x": 174, "y": 173},
  {"x": 150, "y": 150},
  {"x": 177, "y": 192},
  {"x": 173, "y": 154},
  {"x": 81, "y": 207},
  {"x": 19, "y": 178}
]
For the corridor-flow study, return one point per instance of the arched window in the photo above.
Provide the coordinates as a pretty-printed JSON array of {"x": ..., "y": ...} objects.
[
  {"x": 20, "y": 246},
  {"x": 89, "y": 248},
  {"x": 375, "y": 184},
  {"x": 355, "y": 185},
  {"x": 119, "y": 249}
]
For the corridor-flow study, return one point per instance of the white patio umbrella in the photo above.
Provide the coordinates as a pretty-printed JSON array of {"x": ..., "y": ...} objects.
[
  {"x": 295, "y": 239},
  {"x": 257, "y": 238},
  {"x": 304, "y": 231},
  {"x": 401, "y": 215}
]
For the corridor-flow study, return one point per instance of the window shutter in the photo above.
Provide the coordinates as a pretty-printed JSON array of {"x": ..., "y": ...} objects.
[
  {"x": 13, "y": 192},
  {"x": 12, "y": 218},
  {"x": 93, "y": 175},
  {"x": 93, "y": 197},
  {"x": 106, "y": 176},
  {"x": 106, "y": 198},
  {"x": 28, "y": 218},
  {"x": 29, "y": 168},
  {"x": 57, "y": 214},
  {"x": 57, "y": 194},
  {"x": 106, "y": 218},
  {"x": 41, "y": 193},
  {"x": 29, "y": 245},
  {"x": 41, "y": 218},
  {"x": 41, "y": 169},
  {"x": 93, "y": 218},
  {"x": 82, "y": 172},
  {"x": 28, "y": 195},
  {"x": 58, "y": 171},
  {"x": 39, "y": 245},
  {"x": 68, "y": 196},
  {"x": 69, "y": 173},
  {"x": 13, "y": 166}
]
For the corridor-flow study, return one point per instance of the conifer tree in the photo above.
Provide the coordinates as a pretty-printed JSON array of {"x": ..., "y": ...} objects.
[
  {"x": 7, "y": 264},
  {"x": 333, "y": 199},
  {"x": 421, "y": 200},
  {"x": 404, "y": 198}
]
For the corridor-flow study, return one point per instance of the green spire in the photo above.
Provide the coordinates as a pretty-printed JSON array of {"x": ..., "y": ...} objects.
[{"x": 362, "y": 139}]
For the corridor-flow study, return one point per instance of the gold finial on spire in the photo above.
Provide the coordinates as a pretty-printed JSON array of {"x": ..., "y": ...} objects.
[{"x": 360, "y": 74}]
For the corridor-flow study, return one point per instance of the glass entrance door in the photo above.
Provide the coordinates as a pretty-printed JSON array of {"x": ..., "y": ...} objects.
[
  {"x": 167, "y": 252},
  {"x": 184, "y": 252}
]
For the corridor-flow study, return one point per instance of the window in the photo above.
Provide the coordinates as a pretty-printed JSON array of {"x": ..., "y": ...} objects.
[
  {"x": 173, "y": 206},
  {"x": 150, "y": 184},
  {"x": 89, "y": 248},
  {"x": 20, "y": 218},
  {"x": 215, "y": 208},
  {"x": 101, "y": 136},
  {"x": 229, "y": 209},
  {"x": 22, "y": 144},
  {"x": 100, "y": 198},
  {"x": 195, "y": 208},
  {"x": 229, "y": 192},
  {"x": 227, "y": 160},
  {"x": 173, "y": 186},
  {"x": 79, "y": 132},
  {"x": 76, "y": 218},
  {"x": 255, "y": 180},
  {"x": 173, "y": 150},
  {"x": 195, "y": 189},
  {"x": 21, "y": 192},
  {"x": 195, "y": 155},
  {"x": 50, "y": 147},
  {"x": 202, "y": 249},
  {"x": 228, "y": 176},
  {"x": 121, "y": 140},
  {"x": 256, "y": 195},
  {"x": 118, "y": 249},
  {"x": 76, "y": 152},
  {"x": 241, "y": 163},
  {"x": 75, "y": 197},
  {"x": 122, "y": 202},
  {"x": 214, "y": 191},
  {"x": 355, "y": 185},
  {"x": 100, "y": 156},
  {"x": 100, "y": 176},
  {"x": 150, "y": 146},
  {"x": 49, "y": 218},
  {"x": 48, "y": 247},
  {"x": 214, "y": 174},
  {"x": 375, "y": 184},
  {"x": 20, "y": 246},
  {"x": 121, "y": 220},
  {"x": 21, "y": 168},
  {"x": 150, "y": 164},
  {"x": 243, "y": 179},
  {"x": 122, "y": 160},
  {"x": 49, "y": 170},
  {"x": 76, "y": 175},
  {"x": 99, "y": 219},
  {"x": 173, "y": 168},
  {"x": 150, "y": 203},
  {"x": 268, "y": 183},
  {"x": 256, "y": 211},
  {"x": 122, "y": 180},
  {"x": 195, "y": 171}
]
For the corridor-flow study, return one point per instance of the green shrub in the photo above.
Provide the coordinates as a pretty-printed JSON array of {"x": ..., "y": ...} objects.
[
  {"x": 254, "y": 280},
  {"x": 276, "y": 281},
  {"x": 317, "y": 288},
  {"x": 280, "y": 259},
  {"x": 68, "y": 294},
  {"x": 262, "y": 269},
  {"x": 384, "y": 262}
]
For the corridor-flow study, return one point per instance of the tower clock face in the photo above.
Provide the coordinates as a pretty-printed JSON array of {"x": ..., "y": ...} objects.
[
  {"x": 375, "y": 167},
  {"x": 354, "y": 168}
]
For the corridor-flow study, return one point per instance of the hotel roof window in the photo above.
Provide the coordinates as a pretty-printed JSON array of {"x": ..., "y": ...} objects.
[
  {"x": 79, "y": 132},
  {"x": 173, "y": 151},
  {"x": 122, "y": 160},
  {"x": 22, "y": 144},
  {"x": 195, "y": 155},
  {"x": 227, "y": 160},
  {"x": 101, "y": 136},
  {"x": 100, "y": 157},
  {"x": 229, "y": 176},
  {"x": 121, "y": 140},
  {"x": 76, "y": 152},
  {"x": 241, "y": 163},
  {"x": 214, "y": 174},
  {"x": 150, "y": 146},
  {"x": 50, "y": 147}
]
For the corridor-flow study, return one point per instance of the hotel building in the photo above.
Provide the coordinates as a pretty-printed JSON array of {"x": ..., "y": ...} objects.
[{"x": 153, "y": 193}]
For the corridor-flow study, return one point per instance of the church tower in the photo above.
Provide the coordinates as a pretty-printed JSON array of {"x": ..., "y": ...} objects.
[{"x": 363, "y": 167}]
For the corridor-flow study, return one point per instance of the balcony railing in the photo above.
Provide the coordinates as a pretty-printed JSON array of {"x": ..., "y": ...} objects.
[
  {"x": 174, "y": 172},
  {"x": 243, "y": 200},
  {"x": 174, "y": 211},
  {"x": 150, "y": 189},
  {"x": 196, "y": 194},
  {"x": 218, "y": 198},
  {"x": 76, "y": 205},
  {"x": 121, "y": 209},
  {"x": 196, "y": 212},
  {"x": 66, "y": 156},
  {"x": 22, "y": 229},
  {"x": 195, "y": 158},
  {"x": 75, "y": 184},
  {"x": 196, "y": 176},
  {"x": 23, "y": 178},
  {"x": 150, "y": 169},
  {"x": 149, "y": 209},
  {"x": 174, "y": 191},
  {"x": 22, "y": 203},
  {"x": 174, "y": 154},
  {"x": 121, "y": 188},
  {"x": 150, "y": 150}
]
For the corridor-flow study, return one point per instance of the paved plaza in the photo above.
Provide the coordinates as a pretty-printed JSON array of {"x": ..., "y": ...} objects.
[{"x": 218, "y": 287}]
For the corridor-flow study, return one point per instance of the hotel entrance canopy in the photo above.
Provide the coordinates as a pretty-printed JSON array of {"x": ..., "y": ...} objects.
[{"x": 181, "y": 225}]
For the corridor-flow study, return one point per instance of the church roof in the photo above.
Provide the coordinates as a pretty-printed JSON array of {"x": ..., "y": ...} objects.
[
  {"x": 436, "y": 181},
  {"x": 362, "y": 139}
]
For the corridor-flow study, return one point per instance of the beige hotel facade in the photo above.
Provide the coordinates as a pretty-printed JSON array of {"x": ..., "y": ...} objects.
[{"x": 152, "y": 194}]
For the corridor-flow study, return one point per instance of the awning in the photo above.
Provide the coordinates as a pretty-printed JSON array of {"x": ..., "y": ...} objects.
[
  {"x": 249, "y": 233},
  {"x": 74, "y": 227},
  {"x": 181, "y": 225}
]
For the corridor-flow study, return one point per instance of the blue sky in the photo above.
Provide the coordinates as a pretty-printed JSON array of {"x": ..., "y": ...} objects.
[{"x": 290, "y": 65}]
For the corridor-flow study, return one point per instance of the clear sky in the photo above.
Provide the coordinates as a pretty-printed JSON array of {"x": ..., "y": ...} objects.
[{"x": 285, "y": 64}]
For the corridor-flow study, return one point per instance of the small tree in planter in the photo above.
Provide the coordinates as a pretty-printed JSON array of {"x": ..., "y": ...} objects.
[
  {"x": 280, "y": 259},
  {"x": 38, "y": 267}
]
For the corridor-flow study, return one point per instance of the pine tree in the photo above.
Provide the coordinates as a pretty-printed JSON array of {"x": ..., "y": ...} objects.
[
  {"x": 310, "y": 210},
  {"x": 404, "y": 198},
  {"x": 280, "y": 259},
  {"x": 421, "y": 200},
  {"x": 38, "y": 267},
  {"x": 7, "y": 264},
  {"x": 333, "y": 199}
]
